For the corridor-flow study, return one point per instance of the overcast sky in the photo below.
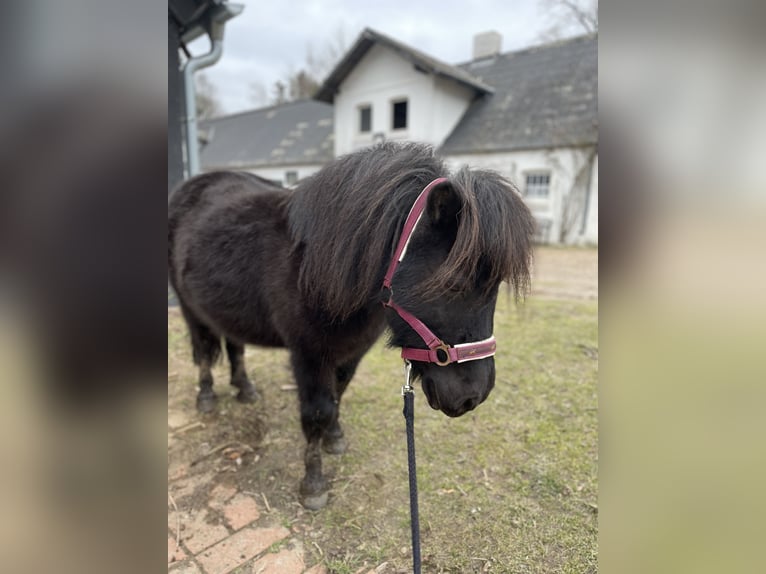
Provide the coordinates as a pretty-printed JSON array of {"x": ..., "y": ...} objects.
[{"x": 271, "y": 38}]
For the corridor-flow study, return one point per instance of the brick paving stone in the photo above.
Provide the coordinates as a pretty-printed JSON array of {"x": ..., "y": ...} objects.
[
  {"x": 239, "y": 548},
  {"x": 186, "y": 568},
  {"x": 317, "y": 569},
  {"x": 202, "y": 534},
  {"x": 241, "y": 511},
  {"x": 220, "y": 494},
  {"x": 175, "y": 554},
  {"x": 284, "y": 562}
]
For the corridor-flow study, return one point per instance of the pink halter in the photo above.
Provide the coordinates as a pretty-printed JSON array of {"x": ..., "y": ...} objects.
[{"x": 438, "y": 351}]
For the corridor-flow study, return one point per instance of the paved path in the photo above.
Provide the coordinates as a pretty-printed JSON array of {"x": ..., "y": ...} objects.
[{"x": 214, "y": 528}]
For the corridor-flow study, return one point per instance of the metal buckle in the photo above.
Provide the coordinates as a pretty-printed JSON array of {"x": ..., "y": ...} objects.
[
  {"x": 443, "y": 347},
  {"x": 407, "y": 387}
]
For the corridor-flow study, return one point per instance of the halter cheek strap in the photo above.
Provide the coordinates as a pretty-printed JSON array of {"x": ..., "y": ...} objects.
[{"x": 438, "y": 351}]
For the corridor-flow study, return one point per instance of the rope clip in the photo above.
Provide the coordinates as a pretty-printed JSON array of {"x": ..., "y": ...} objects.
[{"x": 407, "y": 386}]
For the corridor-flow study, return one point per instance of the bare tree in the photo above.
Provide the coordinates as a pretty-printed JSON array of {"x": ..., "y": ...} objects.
[
  {"x": 577, "y": 173},
  {"x": 302, "y": 85},
  {"x": 259, "y": 96},
  {"x": 305, "y": 81},
  {"x": 569, "y": 18},
  {"x": 279, "y": 97},
  {"x": 573, "y": 203},
  {"x": 208, "y": 105},
  {"x": 319, "y": 63}
]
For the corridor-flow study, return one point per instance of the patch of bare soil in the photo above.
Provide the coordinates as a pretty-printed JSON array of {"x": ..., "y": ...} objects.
[{"x": 565, "y": 273}]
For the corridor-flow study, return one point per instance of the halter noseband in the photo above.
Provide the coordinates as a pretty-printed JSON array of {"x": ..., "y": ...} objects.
[{"x": 438, "y": 351}]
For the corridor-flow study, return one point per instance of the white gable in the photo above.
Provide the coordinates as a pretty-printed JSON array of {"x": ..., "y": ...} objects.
[{"x": 381, "y": 78}]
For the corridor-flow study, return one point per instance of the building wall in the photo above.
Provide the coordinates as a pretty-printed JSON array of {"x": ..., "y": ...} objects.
[
  {"x": 563, "y": 164},
  {"x": 590, "y": 233},
  {"x": 434, "y": 106},
  {"x": 279, "y": 173},
  {"x": 449, "y": 101}
]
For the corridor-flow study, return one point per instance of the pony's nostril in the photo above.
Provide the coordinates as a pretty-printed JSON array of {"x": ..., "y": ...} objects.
[{"x": 469, "y": 404}]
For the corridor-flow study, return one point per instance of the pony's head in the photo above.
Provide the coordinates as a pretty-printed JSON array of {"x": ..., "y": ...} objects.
[{"x": 474, "y": 233}]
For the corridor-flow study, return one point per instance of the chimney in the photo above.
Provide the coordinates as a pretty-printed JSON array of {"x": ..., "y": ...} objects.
[{"x": 487, "y": 44}]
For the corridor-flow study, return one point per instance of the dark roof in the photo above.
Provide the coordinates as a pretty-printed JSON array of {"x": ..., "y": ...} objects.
[
  {"x": 545, "y": 96},
  {"x": 368, "y": 38},
  {"x": 286, "y": 134}
]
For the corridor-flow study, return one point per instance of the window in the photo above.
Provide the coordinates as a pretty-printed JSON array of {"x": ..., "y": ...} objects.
[
  {"x": 291, "y": 177},
  {"x": 538, "y": 185},
  {"x": 365, "y": 119},
  {"x": 399, "y": 115}
]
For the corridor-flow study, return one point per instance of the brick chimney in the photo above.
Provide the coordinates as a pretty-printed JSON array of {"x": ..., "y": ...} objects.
[{"x": 487, "y": 44}]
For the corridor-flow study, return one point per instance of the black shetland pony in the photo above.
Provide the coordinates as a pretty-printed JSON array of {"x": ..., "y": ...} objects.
[{"x": 258, "y": 264}]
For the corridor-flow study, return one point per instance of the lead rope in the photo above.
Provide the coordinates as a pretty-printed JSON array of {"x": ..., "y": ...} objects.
[{"x": 409, "y": 417}]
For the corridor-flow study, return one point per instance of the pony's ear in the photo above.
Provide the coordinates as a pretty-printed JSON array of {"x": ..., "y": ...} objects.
[{"x": 443, "y": 207}]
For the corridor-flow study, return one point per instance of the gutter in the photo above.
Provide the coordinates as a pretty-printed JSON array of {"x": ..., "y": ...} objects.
[{"x": 215, "y": 32}]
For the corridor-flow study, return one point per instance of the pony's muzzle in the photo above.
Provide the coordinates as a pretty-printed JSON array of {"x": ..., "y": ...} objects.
[{"x": 459, "y": 388}]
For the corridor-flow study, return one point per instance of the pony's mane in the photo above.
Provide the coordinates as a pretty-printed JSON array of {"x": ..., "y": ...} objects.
[{"x": 347, "y": 217}]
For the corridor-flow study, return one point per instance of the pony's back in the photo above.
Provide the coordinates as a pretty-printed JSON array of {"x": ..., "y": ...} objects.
[{"x": 205, "y": 191}]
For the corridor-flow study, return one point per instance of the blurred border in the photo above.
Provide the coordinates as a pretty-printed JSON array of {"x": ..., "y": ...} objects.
[
  {"x": 682, "y": 96},
  {"x": 83, "y": 131},
  {"x": 683, "y": 318}
]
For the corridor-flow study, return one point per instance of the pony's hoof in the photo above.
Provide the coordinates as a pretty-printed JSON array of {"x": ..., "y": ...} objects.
[
  {"x": 335, "y": 445},
  {"x": 206, "y": 403},
  {"x": 314, "y": 501},
  {"x": 248, "y": 395}
]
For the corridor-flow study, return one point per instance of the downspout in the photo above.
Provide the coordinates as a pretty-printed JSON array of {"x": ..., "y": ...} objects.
[
  {"x": 589, "y": 182},
  {"x": 191, "y": 66}
]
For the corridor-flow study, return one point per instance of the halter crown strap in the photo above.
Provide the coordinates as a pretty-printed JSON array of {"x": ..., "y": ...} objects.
[
  {"x": 438, "y": 352},
  {"x": 413, "y": 218}
]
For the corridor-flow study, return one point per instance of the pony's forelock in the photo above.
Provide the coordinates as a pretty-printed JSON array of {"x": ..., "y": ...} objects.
[
  {"x": 347, "y": 217},
  {"x": 494, "y": 235}
]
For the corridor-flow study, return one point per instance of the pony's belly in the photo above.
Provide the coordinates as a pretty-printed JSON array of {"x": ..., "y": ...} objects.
[
  {"x": 251, "y": 333},
  {"x": 238, "y": 324}
]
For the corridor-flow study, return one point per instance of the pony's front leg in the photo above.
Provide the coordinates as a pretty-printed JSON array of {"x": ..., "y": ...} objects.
[
  {"x": 333, "y": 440},
  {"x": 319, "y": 412}
]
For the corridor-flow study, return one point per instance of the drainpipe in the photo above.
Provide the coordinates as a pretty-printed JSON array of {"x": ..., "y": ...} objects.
[
  {"x": 215, "y": 32},
  {"x": 588, "y": 183}
]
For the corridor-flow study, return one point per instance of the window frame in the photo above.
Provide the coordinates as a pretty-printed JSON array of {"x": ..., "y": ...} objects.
[
  {"x": 401, "y": 100},
  {"x": 537, "y": 185},
  {"x": 360, "y": 108}
]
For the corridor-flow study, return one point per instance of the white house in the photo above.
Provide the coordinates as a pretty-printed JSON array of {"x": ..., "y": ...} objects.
[{"x": 530, "y": 115}]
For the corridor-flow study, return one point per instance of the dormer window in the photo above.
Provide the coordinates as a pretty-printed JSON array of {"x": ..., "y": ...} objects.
[
  {"x": 365, "y": 119},
  {"x": 399, "y": 114}
]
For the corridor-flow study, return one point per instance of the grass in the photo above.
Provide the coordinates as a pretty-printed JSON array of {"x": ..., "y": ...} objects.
[{"x": 509, "y": 487}]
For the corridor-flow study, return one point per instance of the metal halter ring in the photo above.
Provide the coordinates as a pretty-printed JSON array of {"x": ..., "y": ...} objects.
[{"x": 445, "y": 348}]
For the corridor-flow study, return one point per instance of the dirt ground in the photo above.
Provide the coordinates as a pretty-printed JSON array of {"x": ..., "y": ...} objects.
[
  {"x": 234, "y": 474},
  {"x": 561, "y": 273}
]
